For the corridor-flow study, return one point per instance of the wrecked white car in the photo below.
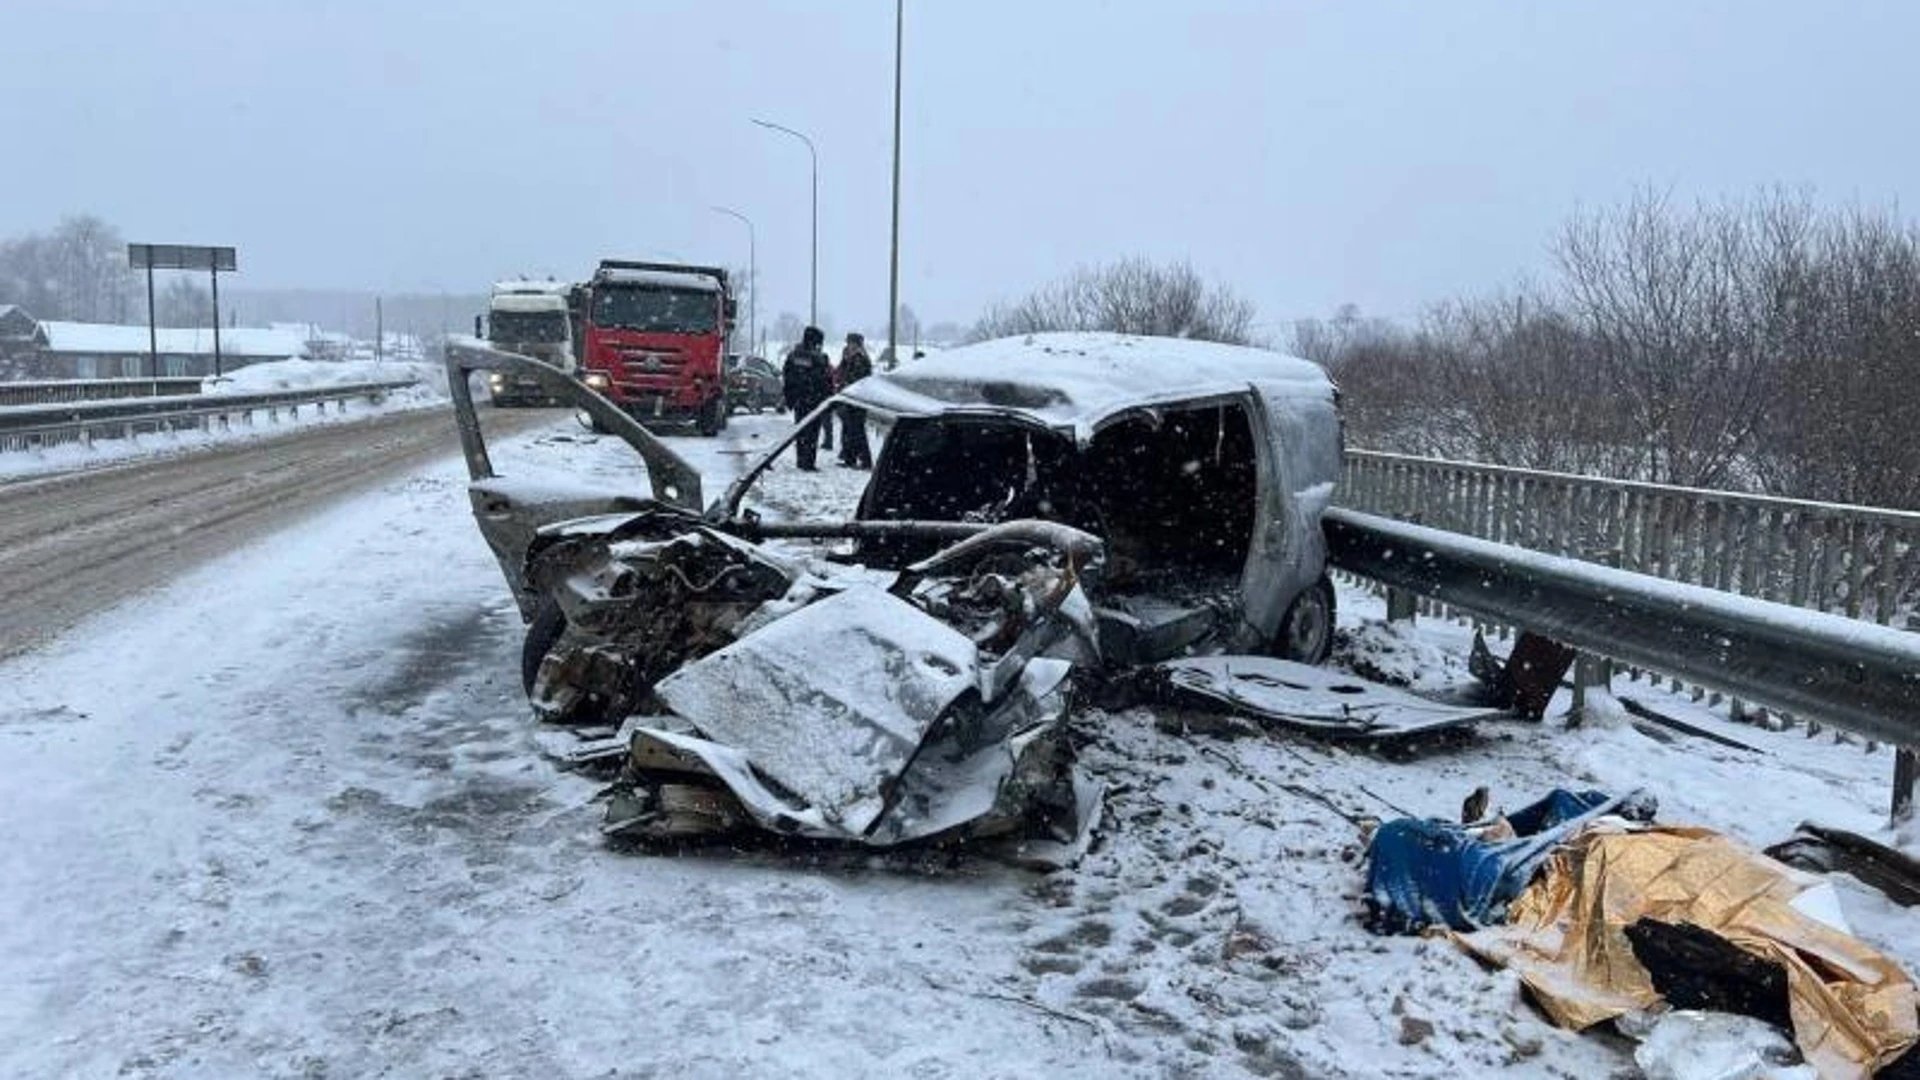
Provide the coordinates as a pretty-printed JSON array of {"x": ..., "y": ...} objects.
[{"x": 1040, "y": 506}]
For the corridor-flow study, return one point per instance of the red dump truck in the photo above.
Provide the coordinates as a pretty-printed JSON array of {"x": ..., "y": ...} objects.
[{"x": 652, "y": 338}]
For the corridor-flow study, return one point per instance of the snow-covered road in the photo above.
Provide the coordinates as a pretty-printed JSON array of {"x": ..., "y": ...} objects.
[{"x": 288, "y": 817}]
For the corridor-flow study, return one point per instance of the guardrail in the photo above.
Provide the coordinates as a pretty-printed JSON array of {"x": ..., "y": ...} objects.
[
  {"x": 1862, "y": 677},
  {"x": 1858, "y": 561},
  {"x": 1772, "y": 601},
  {"x": 30, "y": 426},
  {"x": 51, "y": 391}
]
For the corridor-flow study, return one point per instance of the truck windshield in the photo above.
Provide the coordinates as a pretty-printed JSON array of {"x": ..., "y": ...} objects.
[
  {"x": 527, "y": 326},
  {"x": 664, "y": 311}
]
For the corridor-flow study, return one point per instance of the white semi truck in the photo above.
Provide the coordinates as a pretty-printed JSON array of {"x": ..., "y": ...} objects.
[{"x": 529, "y": 318}]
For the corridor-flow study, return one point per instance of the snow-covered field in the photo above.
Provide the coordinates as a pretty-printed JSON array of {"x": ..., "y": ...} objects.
[
  {"x": 429, "y": 391},
  {"x": 288, "y": 817}
]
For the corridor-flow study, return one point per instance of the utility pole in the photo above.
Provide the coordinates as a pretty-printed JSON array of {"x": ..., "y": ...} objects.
[
  {"x": 379, "y": 331},
  {"x": 893, "y": 268}
]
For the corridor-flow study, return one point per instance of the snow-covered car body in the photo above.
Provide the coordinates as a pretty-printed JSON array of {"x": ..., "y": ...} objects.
[
  {"x": 1204, "y": 467},
  {"x": 913, "y": 684}
]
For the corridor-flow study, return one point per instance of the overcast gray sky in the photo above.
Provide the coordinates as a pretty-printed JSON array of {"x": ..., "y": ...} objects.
[{"x": 1310, "y": 154}]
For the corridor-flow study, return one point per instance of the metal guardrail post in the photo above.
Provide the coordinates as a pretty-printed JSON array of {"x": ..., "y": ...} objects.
[
  {"x": 1401, "y": 605},
  {"x": 1906, "y": 776},
  {"x": 1591, "y": 671}
]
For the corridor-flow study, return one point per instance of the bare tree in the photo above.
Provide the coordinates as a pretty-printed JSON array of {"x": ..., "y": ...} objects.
[
  {"x": 1842, "y": 427},
  {"x": 1754, "y": 344},
  {"x": 1132, "y": 296},
  {"x": 907, "y": 326},
  {"x": 183, "y": 303},
  {"x": 786, "y": 328},
  {"x": 78, "y": 271},
  {"x": 1676, "y": 307}
]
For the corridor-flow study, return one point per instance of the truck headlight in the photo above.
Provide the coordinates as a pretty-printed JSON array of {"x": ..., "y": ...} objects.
[
  {"x": 597, "y": 380},
  {"x": 496, "y": 380}
]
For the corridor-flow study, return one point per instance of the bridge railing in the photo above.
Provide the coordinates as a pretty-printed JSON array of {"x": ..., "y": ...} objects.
[
  {"x": 1858, "y": 561},
  {"x": 34, "y": 426},
  {"x": 55, "y": 391}
]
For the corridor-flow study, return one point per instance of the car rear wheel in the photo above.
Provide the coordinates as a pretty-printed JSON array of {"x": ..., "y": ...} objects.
[{"x": 1306, "y": 630}]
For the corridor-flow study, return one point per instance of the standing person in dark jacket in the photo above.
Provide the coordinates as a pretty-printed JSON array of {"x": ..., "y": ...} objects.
[
  {"x": 807, "y": 381},
  {"x": 855, "y": 365}
]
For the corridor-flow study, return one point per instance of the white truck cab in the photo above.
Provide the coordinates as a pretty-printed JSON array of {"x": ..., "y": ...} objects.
[{"x": 529, "y": 318}]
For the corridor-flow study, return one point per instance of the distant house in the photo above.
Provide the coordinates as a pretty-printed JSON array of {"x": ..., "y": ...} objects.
[
  {"x": 104, "y": 351},
  {"x": 21, "y": 340}
]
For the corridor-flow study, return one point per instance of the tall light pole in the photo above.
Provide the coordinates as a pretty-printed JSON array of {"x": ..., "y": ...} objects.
[
  {"x": 893, "y": 261},
  {"x": 813, "y": 287},
  {"x": 753, "y": 277}
]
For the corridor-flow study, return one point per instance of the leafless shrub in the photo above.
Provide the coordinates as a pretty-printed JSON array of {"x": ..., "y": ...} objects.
[{"x": 1753, "y": 345}]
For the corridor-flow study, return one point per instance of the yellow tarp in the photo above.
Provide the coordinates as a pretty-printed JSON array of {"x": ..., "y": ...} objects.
[{"x": 1853, "y": 1009}]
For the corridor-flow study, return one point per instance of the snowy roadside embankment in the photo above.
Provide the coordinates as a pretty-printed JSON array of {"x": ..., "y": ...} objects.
[{"x": 428, "y": 390}]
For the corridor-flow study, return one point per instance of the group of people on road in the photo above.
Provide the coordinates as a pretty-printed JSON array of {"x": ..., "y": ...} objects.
[{"x": 808, "y": 378}]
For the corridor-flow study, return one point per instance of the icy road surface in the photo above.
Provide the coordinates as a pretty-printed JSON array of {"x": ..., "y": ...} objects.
[
  {"x": 287, "y": 817},
  {"x": 78, "y": 542}
]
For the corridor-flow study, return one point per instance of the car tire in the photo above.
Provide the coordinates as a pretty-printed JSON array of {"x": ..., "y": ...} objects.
[
  {"x": 1306, "y": 630},
  {"x": 549, "y": 622},
  {"x": 713, "y": 417}
]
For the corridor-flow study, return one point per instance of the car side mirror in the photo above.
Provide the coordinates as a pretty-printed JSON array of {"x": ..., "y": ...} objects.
[{"x": 479, "y": 326}]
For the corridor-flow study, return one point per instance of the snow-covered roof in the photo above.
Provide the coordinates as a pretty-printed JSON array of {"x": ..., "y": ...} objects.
[
  {"x": 661, "y": 279},
  {"x": 105, "y": 339},
  {"x": 548, "y": 287},
  {"x": 1075, "y": 381},
  {"x": 520, "y": 301}
]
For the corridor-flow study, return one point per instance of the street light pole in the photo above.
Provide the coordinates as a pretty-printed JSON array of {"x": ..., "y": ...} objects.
[
  {"x": 893, "y": 261},
  {"x": 813, "y": 287},
  {"x": 753, "y": 276}
]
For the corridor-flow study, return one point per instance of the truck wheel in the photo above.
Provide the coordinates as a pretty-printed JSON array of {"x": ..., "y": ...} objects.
[
  {"x": 713, "y": 417},
  {"x": 1306, "y": 630},
  {"x": 549, "y": 622}
]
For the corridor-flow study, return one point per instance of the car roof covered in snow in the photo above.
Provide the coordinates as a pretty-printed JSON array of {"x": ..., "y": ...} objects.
[{"x": 1077, "y": 381}]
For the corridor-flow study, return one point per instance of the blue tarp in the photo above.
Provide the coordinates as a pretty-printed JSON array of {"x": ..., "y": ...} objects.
[{"x": 1424, "y": 871}]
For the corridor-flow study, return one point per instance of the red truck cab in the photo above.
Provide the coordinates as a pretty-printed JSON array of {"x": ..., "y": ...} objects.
[{"x": 653, "y": 340}]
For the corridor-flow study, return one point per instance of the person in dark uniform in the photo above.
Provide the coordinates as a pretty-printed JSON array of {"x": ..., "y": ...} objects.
[
  {"x": 855, "y": 365},
  {"x": 806, "y": 381}
]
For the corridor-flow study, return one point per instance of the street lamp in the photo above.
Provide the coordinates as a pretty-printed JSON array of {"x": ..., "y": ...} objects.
[
  {"x": 753, "y": 280},
  {"x": 813, "y": 288},
  {"x": 893, "y": 260}
]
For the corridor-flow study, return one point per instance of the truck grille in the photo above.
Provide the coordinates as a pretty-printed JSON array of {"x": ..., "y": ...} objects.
[{"x": 651, "y": 363}]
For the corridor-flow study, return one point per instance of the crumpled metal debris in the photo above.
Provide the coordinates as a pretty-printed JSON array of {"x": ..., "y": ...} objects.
[
  {"x": 934, "y": 707},
  {"x": 1852, "y": 1009},
  {"x": 1304, "y": 697}
]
